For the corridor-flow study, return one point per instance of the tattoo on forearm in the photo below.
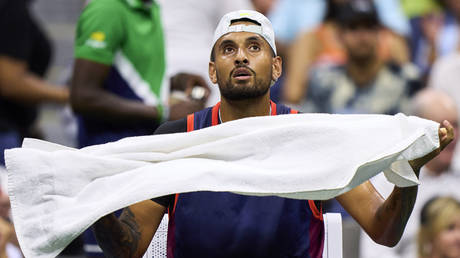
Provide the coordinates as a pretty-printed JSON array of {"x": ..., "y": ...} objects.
[{"x": 118, "y": 237}]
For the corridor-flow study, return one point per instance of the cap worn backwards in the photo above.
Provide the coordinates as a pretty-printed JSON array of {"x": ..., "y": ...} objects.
[{"x": 265, "y": 29}]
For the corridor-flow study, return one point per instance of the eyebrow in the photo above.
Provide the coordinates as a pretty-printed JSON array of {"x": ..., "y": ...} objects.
[
  {"x": 229, "y": 41},
  {"x": 254, "y": 38},
  {"x": 226, "y": 42}
]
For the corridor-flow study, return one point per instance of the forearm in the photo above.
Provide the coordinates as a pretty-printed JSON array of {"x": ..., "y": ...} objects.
[
  {"x": 106, "y": 106},
  {"x": 28, "y": 88},
  {"x": 393, "y": 214},
  {"x": 116, "y": 238},
  {"x": 396, "y": 210},
  {"x": 37, "y": 90},
  {"x": 18, "y": 84},
  {"x": 301, "y": 56}
]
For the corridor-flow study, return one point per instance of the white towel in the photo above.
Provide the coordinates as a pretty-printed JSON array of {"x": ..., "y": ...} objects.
[{"x": 57, "y": 192}]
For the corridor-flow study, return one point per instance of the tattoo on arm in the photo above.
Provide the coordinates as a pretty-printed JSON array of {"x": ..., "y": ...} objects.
[{"x": 118, "y": 237}]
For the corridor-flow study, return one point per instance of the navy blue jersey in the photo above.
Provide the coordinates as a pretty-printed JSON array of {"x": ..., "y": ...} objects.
[{"x": 223, "y": 224}]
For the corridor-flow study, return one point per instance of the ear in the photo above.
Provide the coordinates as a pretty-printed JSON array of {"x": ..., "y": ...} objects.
[
  {"x": 212, "y": 72},
  {"x": 277, "y": 68}
]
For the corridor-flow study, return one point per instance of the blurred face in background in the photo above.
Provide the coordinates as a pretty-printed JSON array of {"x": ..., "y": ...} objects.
[
  {"x": 360, "y": 41},
  {"x": 447, "y": 243}
]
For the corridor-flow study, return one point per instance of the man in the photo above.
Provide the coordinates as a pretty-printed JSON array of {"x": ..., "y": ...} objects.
[
  {"x": 119, "y": 88},
  {"x": 437, "y": 177},
  {"x": 25, "y": 53},
  {"x": 365, "y": 83},
  {"x": 208, "y": 224},
  {"x": 181, "y": 20}
]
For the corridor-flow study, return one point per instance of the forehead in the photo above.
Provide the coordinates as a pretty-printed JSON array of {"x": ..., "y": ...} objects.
[{"x": 241, "y": 36}]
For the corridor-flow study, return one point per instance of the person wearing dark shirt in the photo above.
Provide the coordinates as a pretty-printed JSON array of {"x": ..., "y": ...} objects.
[
  {"x": 208, "y": 224},
  {"x": 25, "y": 53}
]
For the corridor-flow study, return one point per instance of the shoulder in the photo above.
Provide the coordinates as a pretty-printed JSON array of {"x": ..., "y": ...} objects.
[
  {"x": 406, "y": 71},
  {"x": 326, "y": 75},
  {"x": 177, "y": 126}
]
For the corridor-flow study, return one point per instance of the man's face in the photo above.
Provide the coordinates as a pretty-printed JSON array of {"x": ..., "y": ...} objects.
[
  {"x": 244, "y": 65},
  {"x": 360, "y": 41}
]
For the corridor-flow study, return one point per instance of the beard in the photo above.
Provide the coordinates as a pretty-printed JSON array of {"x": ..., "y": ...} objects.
[{"x": 230, "y": 91}]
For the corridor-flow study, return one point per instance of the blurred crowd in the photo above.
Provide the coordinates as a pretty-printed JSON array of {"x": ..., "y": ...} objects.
[{"x": 138, "y": 63}]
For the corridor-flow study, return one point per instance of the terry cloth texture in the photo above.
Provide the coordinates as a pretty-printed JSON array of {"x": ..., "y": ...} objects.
[{"x": 57, "y": 192}]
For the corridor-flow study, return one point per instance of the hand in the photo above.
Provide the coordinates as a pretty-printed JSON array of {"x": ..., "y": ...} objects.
[
  {"x": 446, "y": 136},
  {"x": 186, "y": 83}
]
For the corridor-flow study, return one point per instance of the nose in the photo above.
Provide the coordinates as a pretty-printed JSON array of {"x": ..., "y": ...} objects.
[{"x": 241, "y": 58}]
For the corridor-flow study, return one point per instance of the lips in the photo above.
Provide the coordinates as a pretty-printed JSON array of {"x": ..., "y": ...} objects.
[{"x": 241, "y": 73}]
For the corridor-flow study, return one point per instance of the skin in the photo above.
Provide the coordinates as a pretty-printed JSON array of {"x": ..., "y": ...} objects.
[
  {"x": 438, "y": 106},
  {"x": 384, "y": 220},
  {"x": 447, "y": 243},
  {"x": 16, "y": 83},
  {"x": 361, "y": 46},
  {"x": 90, "y": 99},
  {"x": 305, "y": 50}
]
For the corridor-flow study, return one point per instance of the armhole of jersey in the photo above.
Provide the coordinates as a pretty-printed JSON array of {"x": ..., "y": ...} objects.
[
  {"x": 191, "y": 122},
  {"x": 293, "y": 111},
  {"x": 190, "y": 127},
  {"x": 314, "y": 210}
]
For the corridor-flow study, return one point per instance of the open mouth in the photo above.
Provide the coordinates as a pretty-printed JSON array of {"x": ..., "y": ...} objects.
[{"x": 242, "y": 73}]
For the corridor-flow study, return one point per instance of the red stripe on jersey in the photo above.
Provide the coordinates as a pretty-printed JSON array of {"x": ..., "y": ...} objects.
[{"x": 215, "y": 114}]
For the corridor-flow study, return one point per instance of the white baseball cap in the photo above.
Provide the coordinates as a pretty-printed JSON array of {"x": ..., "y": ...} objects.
[{"x": 265, "y": 29}]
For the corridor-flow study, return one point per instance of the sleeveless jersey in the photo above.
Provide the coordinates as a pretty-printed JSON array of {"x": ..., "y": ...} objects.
[{"x": 223, "y": 224}]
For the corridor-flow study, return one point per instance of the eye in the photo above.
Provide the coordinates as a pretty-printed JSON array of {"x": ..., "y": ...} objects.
[
  {"x": 228, "y": 49},
  {"x": 254, "y": 47}
]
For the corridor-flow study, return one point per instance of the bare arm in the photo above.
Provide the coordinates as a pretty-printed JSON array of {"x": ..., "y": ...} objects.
[
  {"x": 301, "y": 56},
  {"x": 385, "y": 220},
  {"x": 18, "y": 84},
  {"x": 130, "y": 235},
  {"x": 89, "y": 98}
]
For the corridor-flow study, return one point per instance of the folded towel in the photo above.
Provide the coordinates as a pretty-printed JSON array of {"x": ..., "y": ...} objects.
[{"x": 57, "y": 192}]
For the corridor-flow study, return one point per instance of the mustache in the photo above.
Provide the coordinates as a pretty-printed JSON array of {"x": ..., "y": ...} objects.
[{"x": 242, "y": 66}]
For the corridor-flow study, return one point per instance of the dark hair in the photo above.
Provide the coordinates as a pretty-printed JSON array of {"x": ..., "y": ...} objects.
[
  {"x": 331, "y": 11},
  {"x": 358, "y": 12}
]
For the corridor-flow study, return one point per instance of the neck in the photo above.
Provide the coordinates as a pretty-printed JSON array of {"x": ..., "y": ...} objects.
[
  {"x": 237, "y": 109},
  {"x": 363, "y": 72}
]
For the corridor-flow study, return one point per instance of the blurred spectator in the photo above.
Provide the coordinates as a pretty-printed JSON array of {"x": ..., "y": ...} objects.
[
  {"x": 323, "y": 46},
  {"x": 119, "y": 88},
  {"x": 189, "y": 28},
  {"x": 445, "y": 76},
  {"x": 292, "y": 17},
  {"x": 365, "y": 84},
  {"x": 439, "y": 233},
  {"x": 24, "y": 57},
  {"x": 436, "y": 177}
]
